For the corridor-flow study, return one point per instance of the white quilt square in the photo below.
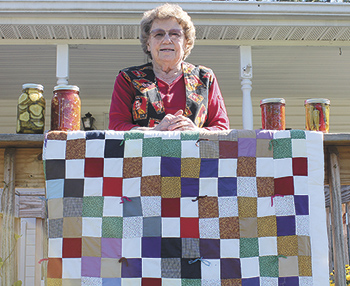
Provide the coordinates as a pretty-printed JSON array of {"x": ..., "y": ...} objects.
[
  {"x": 132, "y": 226},
  {"x": 264, "y": 167},
  {"x": 130, "y": 282},
  {"x": 112, "y": 134},
  {"x": 170, "y": 135},
  {"x": 151, "y": 206},
  {"x": 250, "y": 267},
  {"x": 267, "y": 246},
  {"x": 246, "y": 187},
  {"x": 113, "y": 167},
  {"x": 229, "y": 248},
  {"x": 301, "y": 185},
  {"x": 131, "y": 247},
  {"x": 93, "y": 187},
  {"x": 171, "y": 227},
  {"x": 71, "y": 268},
  {"x": 133, "y": 148},
  {"x": 112, "y": 206},
  {"x": 208, "y": 186},
  {"x": 131, "y": 187},
  {"x": 299, "y": 148},
  {"x": 281, "y": 134},
  {"x": 269, "y": 281},
  {"x": 212, "y": 271},
  {"x": 55, "y": 149},
  {"x": 265, "y": 207},
  {"x": 302, "y": 225},
  {"x": 283, "y": 167},
  {"x": 71, "y": 135},
  {"x": 55, "y": 247},
  {"x": 189, "y": 208},
  {"x": 284, "y": 206},
  {"x": 95, "y": 148},
  {"x": 227, "y": 168},
  {"x": 209, "y": 228},
  {"x": 75, "y": 169},
  {"x": 151, "y": 267},
  {"x": 92, "y": 226},
  {"x": 170, "y": 282},
  {"x": 189, "y": 149},
  {"x": 150, "y": 166},
  {"x": 228, "y": 206}
]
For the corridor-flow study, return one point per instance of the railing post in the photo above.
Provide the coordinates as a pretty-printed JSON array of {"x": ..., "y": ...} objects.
[
  {"x": 62, "y": 63},
  {"x": 246, "y": 74},
  {"x": 336, "y": 217}
]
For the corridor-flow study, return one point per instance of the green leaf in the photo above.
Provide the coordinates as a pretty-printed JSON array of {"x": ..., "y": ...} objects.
[{"x": 17, "y": 283}]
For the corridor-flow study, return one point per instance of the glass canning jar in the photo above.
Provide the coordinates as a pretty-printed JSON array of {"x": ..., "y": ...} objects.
[
  {"x": 317, "y": 114},
  {"x": 273, "y": 113}
]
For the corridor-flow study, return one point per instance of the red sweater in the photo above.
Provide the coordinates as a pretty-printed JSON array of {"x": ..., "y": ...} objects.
[{"x": 174, "y": 98}]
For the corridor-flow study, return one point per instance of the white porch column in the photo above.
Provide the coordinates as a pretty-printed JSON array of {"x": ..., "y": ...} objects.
[
  {"x": 62, "y": 64},
  {"x": 246, "y": 74}
]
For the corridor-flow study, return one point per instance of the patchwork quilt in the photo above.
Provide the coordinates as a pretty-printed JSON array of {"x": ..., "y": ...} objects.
[{"x": 233, "y": 207}]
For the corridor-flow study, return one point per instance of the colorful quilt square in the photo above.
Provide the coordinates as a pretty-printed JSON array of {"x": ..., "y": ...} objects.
[
  {"x": 171, "y": 248},
  {"x": 246, "y": 147},
  {"x": 91, "y": 246},
  {"x": 54, "y": 268},
  {"x": 248, "y": 227},
  {"x": 229, "y": 227},
  {"x": 112, "y": 187},
  {"x": 171, "y": 187},
  {"x": 209, "y": 149},
  {"x": 247, "y": 207},
  {"x": 246, "y": 166},
  {"x": 110, "y": 268},
  {"x": 75, "y": 149},
  {"x": 171, "y": 268},
  {"x": 170, "y": 207},
  {"x": 228, "y": 149},
  {"x": 265, "y": 186},
  {"x": 91, "y": 266},
  {"x": 209, "y": 248},
  {"x": 301, "y": 205},
  {"x": 151, "y": 186},
  {"x": 227, "y": 187},
  {"x": 268, "y": 266},
  {"x": 189, "y": 227},
  {"x": 208, "y": 207},
  {"x": 171, "y": 148},
  {"x": 190, "y": 167},
  {"x": 228, "y": 206},
  {"x": 74, "y": 188},
  {"x": 249, "y": 247},
  {"x": 132, "y": 167},
  {"x": 93, "y": 167},
  {"x": 230, "y": 268},
  {"x": 190, "y": 247},
  {"x": 151, "y": 282},
  {"x": 93, "y": 206},
  {"x": 112, "y": 227},
  {"x": 71, "y": 248},
  {"x": 288, "y": 266},
  {"x": 300, "y": 167},
  {"x": 288, "y": 281},
  {"x": 152, "y": 226},
  {"x": 209, "y": 168},
  {"x": 284, "y": 186},
  {"x": 55, "y": 169},
  {"x": 71, "y": 227},
  {"x": 132, "y": 207},
  {"x": 262, "y": 148},
  {"x": 285, "y": 225},
  {"x": 170, "y": 167},
  {"x": 209, "y": 228},
  {"x": 287, "y": 245},
  {"x": 267, "y": 226},
  {"x": 282, "y": 148},
  {"x": 56, "y": 228},
  {"x": 189, "y": 187},
  {"x": 152, "y": 147},
  {"x": 114, "y": 148},
  {"x": 151, "y": 247},
  {"x": 190, "y": 270}
]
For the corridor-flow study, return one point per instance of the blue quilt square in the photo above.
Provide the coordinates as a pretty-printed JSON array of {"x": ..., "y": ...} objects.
[
  {"x": 111, "y": 282},
  {"x": 132, "y": 207},
  {"x": 94, "y": 135},
  {"x": 133, "y": 268},
  {"x": 171, "y": 167},
  {"x": 209, "y": 248},
  {"x": 251, "y": 281},
  {"x": 227, "y": 187},
  {"x": 301, "y": 205},
  {"x": 189, "y": 187},
  {"x": 152, "y": 226},
  {"x": 151, "y": 247},
  {"x": 190, "y": 270},
  {"x": 288, "y": 281},
  {"x": 209, "y": 168},
  {"x": 55, "y": 189},
  {"x": 285, "y": 225},
  {"x": 230, "y": 268},
  {"x": 114, "y": 148}
]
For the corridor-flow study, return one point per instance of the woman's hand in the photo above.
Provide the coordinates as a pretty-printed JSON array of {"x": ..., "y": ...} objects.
[
  {"x": 181, "y": 123},
  {"x": 167, "y": 121}
]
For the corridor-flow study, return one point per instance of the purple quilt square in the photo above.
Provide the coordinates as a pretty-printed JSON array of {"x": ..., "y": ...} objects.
[
  {"x": 264, "y": 134},
  {"x": 95, "y": 135},
  {"x": 91, "y": 266},
  {"x": 111, "y": 282},
  {"x": 151, "y": 247},
  {"x": 171, "y": 167},
  {"x": 209, "y": 168},
  {"x": 301, "y": 205},
  {"x": 230, "y": 268},
  {"x": 209, "y": 248},
  {"x": 285, "y": 225},
  {"x": 111, "y": 247},
  {"x": 246, "y": 147},
  {"x": 228, "y": 149},
  {"x": 114, "y": 148},
  {"x": 288, "y": 281},
  {"x": 190, "y": 270},
  {"x": 189, "y": 187},
  {"x": 227, "y": 187},
  {"x": 251, "y": 281},
  {"x": 132, "y": 269}
]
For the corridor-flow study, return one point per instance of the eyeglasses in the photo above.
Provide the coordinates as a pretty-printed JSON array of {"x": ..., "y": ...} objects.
[{"x": 174, "y": 34}]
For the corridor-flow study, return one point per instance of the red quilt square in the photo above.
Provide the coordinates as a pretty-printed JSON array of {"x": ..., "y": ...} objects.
[
  {"x": 93, "y": 167},
  {"x": 171, "y": 207},
  {"x": 189, "y": 227},
  {"x": 54, "y": 268},
  {"x": 71, "y": 248},
  {"x": 228, "y": 149},
  {"x": 112, "y": 187},
  {"x": 151, "y": 282},
  {"x": 300, "y": 166},
  {"x": 284, "y": 186}
]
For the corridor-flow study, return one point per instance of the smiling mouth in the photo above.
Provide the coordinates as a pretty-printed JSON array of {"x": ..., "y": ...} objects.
[{"x": 166, "y": 50}]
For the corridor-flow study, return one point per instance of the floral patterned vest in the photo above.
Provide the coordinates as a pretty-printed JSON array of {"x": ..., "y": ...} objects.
[{"x": 148, "y": 107}]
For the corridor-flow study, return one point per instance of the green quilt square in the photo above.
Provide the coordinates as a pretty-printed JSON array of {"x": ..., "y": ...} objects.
[
  {"x": 112, "y": 227},
  {"x": 249, "y": 247},
  {"x": 171, "y": 148},
  {"x": 268, "y": 266},
  {"x": 297, "y": 134},
  {"x": 152, "y": 147},
  {"x": 92, "y": 207},
  {"x": 282, "y": 148},
  {"x": 190, "y": 282},
  {"x": 133, "y": 135},
  {"x": 189, "y": 135}
]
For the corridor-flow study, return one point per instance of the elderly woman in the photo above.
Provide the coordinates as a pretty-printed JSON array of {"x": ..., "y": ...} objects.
[{"x": 167, "y": 93}]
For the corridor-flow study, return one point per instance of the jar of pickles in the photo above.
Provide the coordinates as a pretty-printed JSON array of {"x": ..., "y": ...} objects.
[
  {"x": 273, "y": 113},
  {"x": 65, "y": 108},
  {"x": 31, "y": 109},
  {"x": 317, "y": 114}
]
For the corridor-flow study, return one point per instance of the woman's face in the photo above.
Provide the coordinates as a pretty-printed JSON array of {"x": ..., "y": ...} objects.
[{"x": 166, "y": 42}]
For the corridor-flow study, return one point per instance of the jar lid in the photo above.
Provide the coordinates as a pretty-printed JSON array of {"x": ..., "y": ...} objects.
[
  {"x": 272, "y": 100},
  {"x": 32, "y": 85},
  {"x": 317, "y": 100},
  {"x": 66, "y": 87}
]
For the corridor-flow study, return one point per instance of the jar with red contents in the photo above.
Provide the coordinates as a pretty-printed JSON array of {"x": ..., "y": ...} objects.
[
  {"x": 273, "y": 113},
  {"x": 65, "y": 108},
  {"x": 317, "y": 114}
]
